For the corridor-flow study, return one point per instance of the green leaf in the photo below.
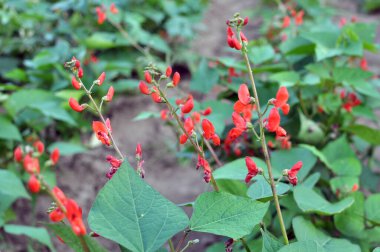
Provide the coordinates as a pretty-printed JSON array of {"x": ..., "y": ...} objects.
[
  {"x": 288, "y": 79},
  {"x": 204, "y": 78},
  {"x": 372, "y": 209},
  {"x": 72, "y": 240},
  {"x": 260, "y": 189},
  {"x": 234, "y": 187},
  {"x": 311, "y": 202},
  {"x": 37, "y": 233},
  {"x": 370, "y": 135},
  {"x": 261, "y": 54},
  {"x": 343, "y": 183},
  {"x": 8, "y": 130},
  {"x": 131, "y": 213},
  {"x": 236, "y": 169},
  {"x": 305, "y": 231},
  {"x": 16, "y": 74},
  {"x": 53, "y": 109},
  {"x": 351, "y": 221},
  {"x": 285, "y": 159},
  {"x": 270, "y": 243},
  {"x": 311, "y": 180},
  {"x": 11, "y": 188},
  {"x": 309, "y": 132},
  {"x": 349, "y": 166},
  {"x": 350, "y": 75},
  {"x": 66, "y": 148},
  {"x": 145, "y": 115},
  {"x": 303, "y": 246},
  {"x": 225, "y": 214},
  {"x": 317, "y": 153}
]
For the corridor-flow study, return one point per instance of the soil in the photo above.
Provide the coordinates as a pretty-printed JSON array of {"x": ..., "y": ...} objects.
[{"x": 81, "y": 176}]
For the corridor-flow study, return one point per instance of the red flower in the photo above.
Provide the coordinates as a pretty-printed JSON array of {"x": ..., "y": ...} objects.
[
  {"x": 273, "y": 120},
  {"x": 164, "y": 114},
  {"x": 245, "y": 110},
  {"x": 144, "y": 89},
  {"x": 148, "y": 77},
  {"x": 77, "y": 62},
  {"x": 176, "y": 78},
  {"x": 156, "y": 97},
  {"x": 355, "y": 187},
  {"x": 110, "y": 94},
  {"x": 114, "y": 162},
  {"x": 54, "y": 156},
  {"x": 350, "y": 100},
  {"x": 113, "y": 9},
  {"x": 75, "y": 105},
  {"x": 168, "y": 71},
  {"x": 17, "y": 154},
  {"x": 31, "y": 164},
  {"x": 60, "y": 196},
  {"x": 364, "y": 64},
  {"x": 342, "y": 22},
  {"x": 189, "y": 127},
  {"x": 34, "y": 184},
  {"x": 108, "y": 125},
  {"x": 281, "y": 100},
  {"x": 243, "y": 37},
  {"x": 236, "y": 44},
  {"x": 138, "y": 151},
  {"x": 299, "y": 17},
  {"x": 74, "y": 216},
  {"x": 75, "y": 83},
  {"x": 207, "y": 111},
  {"x": 239, "y": 121},
  {"x": 56, "y": 215},
  {"x": 206, "y": 168},
  {"x": 286, "y": 22},
  {"x": 209, "y": 132},
  {"x": 245, "y": 21},
  {"x": 252, "y": 169},
  {"x": 101, "y": 132},
  {"x": 292, "y": 173},
  {"x": 243, "y": 94},
  {"x": 196, "y": 117},
  {"x": 40, "y": 147},
  {"x": 101, "y": 78},
  {"x": 101, "y": 15},
  {"x": 188, "y": 106}
]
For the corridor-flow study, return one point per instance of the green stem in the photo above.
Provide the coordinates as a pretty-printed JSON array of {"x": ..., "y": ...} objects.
[
  {"x": 84, "y": 244},
  {"x": 264, "y": 145},
  {"x": 171, "y": 246},
  {"x": 245, "y": 245}
]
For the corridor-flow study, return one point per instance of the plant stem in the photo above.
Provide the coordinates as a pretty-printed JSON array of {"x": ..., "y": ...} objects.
[
  {"x": 264, "y": 145},
  {"x": 180, "y": 124},
  {"x": 245, "y": 245},
  {"x": 84, "y": 244},
  {"x": 103, "y": 120},
  {"x": 182, "y": 240},
  {"x": 171, "y": 246}
]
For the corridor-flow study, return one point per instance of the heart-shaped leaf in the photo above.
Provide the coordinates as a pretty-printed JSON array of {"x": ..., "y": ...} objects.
[{"x": 132, "y": 213}]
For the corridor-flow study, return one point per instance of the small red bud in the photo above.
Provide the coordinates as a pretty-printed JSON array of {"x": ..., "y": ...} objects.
[
  {"x": 17, "y": 154},
  {"x": 168, "y": 71},
  {"x": 245, "y": 21},
  {"x": 34, "y": 184},
  {"x": 113, "y": 9},
  {"x": 54, "y": 156},
  {"x": 39, "y": 146},
  {"x": 75, "y": 83},
  {"x": 75, "y": 105},
  {"x": 110, "y": 94},
  {"x": 144, "y": 89},
  {"x": 80, "y": 72},
  {"x": 148, "y": 77},
  {"x": 101, "y": 78},
  {"x": 56, "y": 215},
  {"x": 176, "y": 78},
  {"x": 188, "y": 106}
]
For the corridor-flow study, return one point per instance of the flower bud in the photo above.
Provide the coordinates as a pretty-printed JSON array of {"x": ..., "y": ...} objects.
[
  {"x": 75, "y": 105},
  {"x": 40, "y": 147},
  {"x": 101, "y": 78},
  {"x": 144, "y": 89},
  {"x": 80, "y": 72},
  {"x": 148, "y": 77},
  {"x": 34, "y": 184},
  {"x": 110, "y": 94},
  {"x": 54, "y": 156},
  {"x": 75, "y": 83},
  {"x": 17, "y": 154},
  {"x": 168, "y": 71},
  {"x": 176, "y": 78}
]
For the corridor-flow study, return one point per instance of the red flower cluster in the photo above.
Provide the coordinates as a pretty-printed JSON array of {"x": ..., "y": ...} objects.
[
  {"x": 298, "y": 17},
  {"x": 101, "y": 12},
  {"x": 71, "y": 211},
  {"x": 31, "y": 162},
  {"x": 209, "y": 132},
  {"x": 350, "y": 100},
  {"x": 189, "y": 127},
  {"x": 233, "y": 41},
  {"x": 292, "y": 173},
  {"x": 101, "y": 132},
  {"x": 115, "y": 164}
]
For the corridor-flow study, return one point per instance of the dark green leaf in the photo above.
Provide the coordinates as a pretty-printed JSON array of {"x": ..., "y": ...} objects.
[
  {"x": 11, "y": 188},
  {"x": 303, "y": 246},
  {"x": 130, "y": 212},
  {"x": 372, "y": 209},
  {"x": 8, "y": 130},
  {"x": 370, "y": 135},
  {"x": 236, "y": 169},
  {"x": 270, "y": 243},
  {"x": 37, "y": 233},
  {"x": 260, "y": 189},
  {"x": 204, "y": 78},
  {"x": 225, "y": 214}
]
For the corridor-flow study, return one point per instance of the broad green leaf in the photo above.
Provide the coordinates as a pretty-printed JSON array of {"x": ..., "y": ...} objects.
[
  {"x": 303, "y": 246},
  {"x": 236, "y": 169},
  {"x": 232, "y": 186},
  {"x": 372, "y": 209},
  {"x": 225, "y": 214},
  {"x": 53, "y": 109},
  {"x": 204, "y": 78},
  {"x": 270, "y": 243},
  {"x": 285, "y": 159},
  {"x": 343, "y": 183},
  {"x": 351, "y": 221},
  {"x": 72, "y": 240},
  {"x": 378, "y": 248},
  {"x": 370, "y": 135},
  {"x": 261, "y": 54},
  {"x": 260, "y": 189},
  {"x": 131, "y": 213},
  {"x": 11, "y": 188},
  {"x": 16, "y": 74},
  {"x": 311, "y": 180},
  {"x": 287, "y": 79},
  {"x": 37, "y": 233},
  {"x": 100, "y": 40},
  {"x": 8, "y": 130},
  {"x": 338, "y": 149},
  {"x": 317, "y": 153},
  {"x": 349, "y": 166},
  {"x": 309, "y": 132},
  {"x": 350, "y": 75},
  {"x": 66, "y": 148},
  {"x": 306, "y": 231},
  {"x": 311, "y": 202}
]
